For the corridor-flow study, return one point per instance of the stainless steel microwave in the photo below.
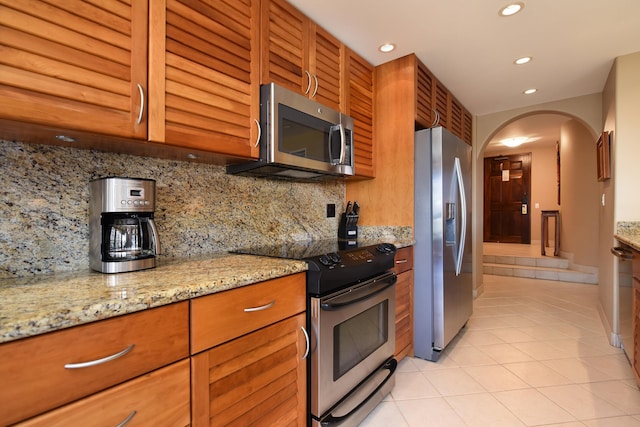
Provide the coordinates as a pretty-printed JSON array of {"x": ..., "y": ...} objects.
[{"x": 300, "y": 139}]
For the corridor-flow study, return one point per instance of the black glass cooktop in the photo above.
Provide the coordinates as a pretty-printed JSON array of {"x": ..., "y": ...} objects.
[{"x": 333, "y": 264}]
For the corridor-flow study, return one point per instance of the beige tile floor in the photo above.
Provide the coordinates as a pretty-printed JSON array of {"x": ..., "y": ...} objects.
[{"x": 534, "y": 353}]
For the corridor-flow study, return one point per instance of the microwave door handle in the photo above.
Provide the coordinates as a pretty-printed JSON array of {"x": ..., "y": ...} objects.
[
  {"x": 343, "y": 143},
  {"x": 332, "y": 129}
]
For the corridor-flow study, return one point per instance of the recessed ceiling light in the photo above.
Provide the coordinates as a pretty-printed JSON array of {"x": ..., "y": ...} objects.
[
  {"x": 387, "y": 47},
  {"x": 514, "y": 142},
  {"x": 530, "y": 91},
  {"x": 511, "y": 9},
  {"x": 523, "y": 60}
]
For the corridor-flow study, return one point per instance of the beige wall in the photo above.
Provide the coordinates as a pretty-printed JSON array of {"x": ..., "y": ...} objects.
[
  {"x": 580, "y": 194},
  {"x": 621, "y": 116},
  {"x": 607, "y": 283},
  {"x": 544, "y": 190},
  {"x": 627, "y": 138}
]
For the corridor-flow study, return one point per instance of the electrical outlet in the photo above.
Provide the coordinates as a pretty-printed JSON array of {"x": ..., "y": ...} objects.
[{"x": 331, "y": 210}]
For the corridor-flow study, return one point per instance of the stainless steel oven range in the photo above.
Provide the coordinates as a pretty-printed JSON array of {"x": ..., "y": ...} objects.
[{"x": 351, "y": 317}]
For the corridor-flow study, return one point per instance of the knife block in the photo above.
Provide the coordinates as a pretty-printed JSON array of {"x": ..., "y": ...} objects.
[{"x": 348, "y": 228}]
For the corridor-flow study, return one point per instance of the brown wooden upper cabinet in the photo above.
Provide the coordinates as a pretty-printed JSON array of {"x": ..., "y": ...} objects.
[
  {"x": 435, "y": 105},
  {"x": 203, "y": 75},
  {"x": 182, "y": 73},
  {"x": 300, "y": 55},
  {"x": 75, "y": 65},
  {"x": 359, "y": 104}
]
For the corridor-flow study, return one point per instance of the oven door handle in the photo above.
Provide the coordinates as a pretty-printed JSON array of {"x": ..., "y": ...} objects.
[
  {"x": 391, "y": 366},
  {"x": 371, "y": 289}
]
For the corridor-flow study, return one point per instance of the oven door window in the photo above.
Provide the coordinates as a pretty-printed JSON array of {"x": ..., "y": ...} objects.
[{"x": 358, "y": 337}]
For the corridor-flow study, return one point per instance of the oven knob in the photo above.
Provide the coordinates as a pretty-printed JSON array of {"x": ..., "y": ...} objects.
[
  {"x": 335, "y": 257},
  {"x": 385, "y": 248},
  {"x": 325, "y": 260}
]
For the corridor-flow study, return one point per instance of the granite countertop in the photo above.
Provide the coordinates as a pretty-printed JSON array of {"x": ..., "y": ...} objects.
[
  {"x": 36, "y": 305},
  {"x": 629, "y": 234},
  {"x": 32, "y": 306}
]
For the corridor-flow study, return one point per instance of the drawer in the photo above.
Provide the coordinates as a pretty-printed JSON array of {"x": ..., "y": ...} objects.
[
  {"x": 404, "y": 259},
  {"x": 35, "y": 378},
  {"x": 226, "y": 315},
  {"x": 160, "y": 398}
]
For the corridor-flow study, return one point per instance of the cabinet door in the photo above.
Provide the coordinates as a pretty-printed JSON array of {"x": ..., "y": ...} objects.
[
  {"x": 75, "y": 65},
  {"x": 424, "y": 96},
  {"x": 285, "y": 41},
  {"x": 204, "y": 64},
  {"x": 467, "y": 128},
  {"x": 359, "y": 88},
  {"x": 440, "y": 103},
  {"x": 257, "y": 379},
  {"x": 160, "y": 398},
  {"x": 404, "y": 303},
  {"x": 325, "y": 56},
  {"x": 456, "y": 119}
]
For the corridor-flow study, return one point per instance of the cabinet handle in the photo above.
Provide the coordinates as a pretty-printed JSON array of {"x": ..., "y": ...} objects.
[
  {"x": 306, "y": 92},
  {"x": 436, "y": 120},
  {"x": 262, "y": 307},
  {"x": 126, "y": 420},
  {"x": 306, "y": 339},
  {"x": 259, "y": 133},
  {"x": 141, "y": 103},
  {"x": 402, "y": 261},
  {"x": 99, "y": 361},
  {"x": 315, "y": 91}
]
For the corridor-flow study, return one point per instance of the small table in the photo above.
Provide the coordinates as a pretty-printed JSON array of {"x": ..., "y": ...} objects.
[{"x": 545, "y": 231}]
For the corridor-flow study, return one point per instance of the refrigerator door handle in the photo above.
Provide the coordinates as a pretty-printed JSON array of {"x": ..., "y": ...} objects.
[{"x": 463, "y": 220}]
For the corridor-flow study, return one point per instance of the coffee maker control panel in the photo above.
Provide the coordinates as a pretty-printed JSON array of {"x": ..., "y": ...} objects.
[{"x": 119, "y": 194}]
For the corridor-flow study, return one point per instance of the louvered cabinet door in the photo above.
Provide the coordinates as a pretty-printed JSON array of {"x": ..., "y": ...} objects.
[
  {"x": 203, "y": 76},
  {"x": 424, "y": 97},
  {"x": 467, "y": 127},
  {"x": 456, "y": 117},
  {"x": 325, "y": 65},
  {"x": 359, "y": 105},
  {"x": 258, "y": 379},
  {"x": 285, "y": 41},
  {"x": 75, "y": 65},
  {"x": 441, "y": 103}
]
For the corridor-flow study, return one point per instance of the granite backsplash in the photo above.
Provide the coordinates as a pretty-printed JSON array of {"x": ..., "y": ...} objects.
[{"x": 199, "y": 210}]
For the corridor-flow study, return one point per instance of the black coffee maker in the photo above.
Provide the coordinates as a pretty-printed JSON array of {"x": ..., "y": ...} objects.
[{"x": 122, "y": 233}]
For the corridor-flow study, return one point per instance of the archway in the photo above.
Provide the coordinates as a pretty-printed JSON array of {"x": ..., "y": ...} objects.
[{"x": 585, "y": 111}]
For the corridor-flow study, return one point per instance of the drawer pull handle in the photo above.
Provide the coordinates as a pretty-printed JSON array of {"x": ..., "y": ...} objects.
[
  {"x": 99, "y": 361},
  {"x": 126, "y": 420},
  {"x": 402, "y": 261},
  {"x": 262, "y": 307},
  {"x": 306, "y": 338}
]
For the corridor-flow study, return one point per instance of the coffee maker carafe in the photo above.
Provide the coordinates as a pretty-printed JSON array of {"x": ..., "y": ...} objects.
[{"x": 122, "y": 233}]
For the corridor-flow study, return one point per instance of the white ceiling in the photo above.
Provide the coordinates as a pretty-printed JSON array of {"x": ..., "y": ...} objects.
[{"x": 471, "y": 49}]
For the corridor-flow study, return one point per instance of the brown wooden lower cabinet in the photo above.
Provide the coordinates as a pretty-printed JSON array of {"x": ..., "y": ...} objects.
[
  {"x": 37, "y": 374},
  {"x": 159, "y": 398},
  {"x": 257, "y": 379},
  {"x": 404, "y": 303}
]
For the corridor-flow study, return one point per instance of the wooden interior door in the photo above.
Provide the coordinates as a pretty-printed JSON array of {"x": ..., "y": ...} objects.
[{"x": 507, "y": 187}]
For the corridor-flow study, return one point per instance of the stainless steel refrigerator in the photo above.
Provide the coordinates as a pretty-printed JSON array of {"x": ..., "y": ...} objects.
[{"x": 443, "y": 292}]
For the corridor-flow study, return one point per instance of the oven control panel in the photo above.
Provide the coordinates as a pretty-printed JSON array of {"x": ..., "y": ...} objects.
[{"x": 332, "y": 270}]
